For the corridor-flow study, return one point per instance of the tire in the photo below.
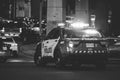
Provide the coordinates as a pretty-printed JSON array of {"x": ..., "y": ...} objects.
[
  {"x": 59, "y": 61},
  {"x": 14, "y": 54},
  {"x": 38, "y": 60}
]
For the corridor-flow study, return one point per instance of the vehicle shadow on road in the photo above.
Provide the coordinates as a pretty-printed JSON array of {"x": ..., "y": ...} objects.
[{"x": 82, "y": 68}]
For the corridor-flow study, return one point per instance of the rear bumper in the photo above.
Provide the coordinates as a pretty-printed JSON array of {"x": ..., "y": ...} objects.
[
  {"x": 85, "y": 57},
  {"x": 80, "y": 55}
]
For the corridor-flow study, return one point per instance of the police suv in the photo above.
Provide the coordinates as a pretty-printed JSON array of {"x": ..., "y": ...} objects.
[{"x": 71, "y": 45}]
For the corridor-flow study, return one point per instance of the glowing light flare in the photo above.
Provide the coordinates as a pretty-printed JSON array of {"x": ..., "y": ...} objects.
[
  {"x": 36, "y": 29},
  {"x": 79, "y": 25},
  {"x": 61, "y": 24},
  {"x": 71, "y": 44},
  {"x": 90, "y": 31}
]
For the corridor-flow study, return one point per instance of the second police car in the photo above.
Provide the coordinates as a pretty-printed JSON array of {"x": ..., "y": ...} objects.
[
  {"x": 71, "y": 45},
  {"x": 4, "y": 51},
  {"x": 12, "y": 44}
]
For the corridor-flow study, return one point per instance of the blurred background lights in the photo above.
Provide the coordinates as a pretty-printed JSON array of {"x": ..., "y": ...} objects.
[
  {"x": 90, "y": 31},
  {"x": 79, "y": 25}
]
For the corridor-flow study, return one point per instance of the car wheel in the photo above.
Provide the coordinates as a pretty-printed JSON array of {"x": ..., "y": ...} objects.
[
  {"x": 14, "y": 54},
  {"x": 38, "y": 59},
  {"x": 59, "y": 61}
]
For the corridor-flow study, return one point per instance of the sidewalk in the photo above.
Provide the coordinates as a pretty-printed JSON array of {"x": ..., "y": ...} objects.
[{"x": 28, "y": 50}]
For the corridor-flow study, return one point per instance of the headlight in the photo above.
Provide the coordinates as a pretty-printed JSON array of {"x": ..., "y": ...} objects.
[
  {"x": 14, "y": 44},
  {"x": 71, "y": 44}
]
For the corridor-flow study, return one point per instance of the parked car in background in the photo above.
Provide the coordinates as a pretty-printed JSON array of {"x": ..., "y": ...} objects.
[
  {"x": 114, "y": 48},
  {"x": 13, "y": 45},
  {"x": 4, "y": 51}
]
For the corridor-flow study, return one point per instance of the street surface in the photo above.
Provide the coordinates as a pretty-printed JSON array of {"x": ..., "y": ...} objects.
[{"x": 23, "y": 68}]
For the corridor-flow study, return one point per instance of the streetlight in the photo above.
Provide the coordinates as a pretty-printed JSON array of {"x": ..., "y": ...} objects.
[{"x": 93, "y": 17}]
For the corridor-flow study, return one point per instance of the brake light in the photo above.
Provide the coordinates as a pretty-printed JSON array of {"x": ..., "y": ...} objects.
[
  {"x": 14, "y": 44},
  {"x": 71, "y": 44}
]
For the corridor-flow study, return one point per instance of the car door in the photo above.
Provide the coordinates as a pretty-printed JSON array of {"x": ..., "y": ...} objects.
[{"x": 49, "y": 44}]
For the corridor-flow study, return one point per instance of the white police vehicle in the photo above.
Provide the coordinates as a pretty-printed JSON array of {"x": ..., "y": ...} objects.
[
  {"x": 72, "y": 46},
  {"x": 12, "y": 44},
  {"x": 4, "y": 51}
]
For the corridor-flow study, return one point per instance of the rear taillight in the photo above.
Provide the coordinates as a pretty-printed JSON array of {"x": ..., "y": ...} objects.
[{"x": 71, "y": 44}]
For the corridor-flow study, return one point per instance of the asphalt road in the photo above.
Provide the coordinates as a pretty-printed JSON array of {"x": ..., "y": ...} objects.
[{"x": 23, "y": 68}]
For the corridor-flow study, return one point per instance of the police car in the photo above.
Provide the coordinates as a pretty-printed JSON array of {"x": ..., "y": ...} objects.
[
  {"x": 4, "y": 51},
  {"x": 12, "y": 44},
  {"x": 72, "y": 46}
]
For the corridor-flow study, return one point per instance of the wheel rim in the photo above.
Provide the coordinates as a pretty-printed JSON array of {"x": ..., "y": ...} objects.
[
  {"x": 57, "y": 61},
  {"x": 38, "y": 59}
]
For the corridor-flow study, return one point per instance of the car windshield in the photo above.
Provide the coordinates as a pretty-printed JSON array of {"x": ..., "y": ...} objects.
[{"x": 87, "y": 33}]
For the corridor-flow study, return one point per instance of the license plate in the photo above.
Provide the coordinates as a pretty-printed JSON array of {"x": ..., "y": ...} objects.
[{"x": 89, "y": 44}]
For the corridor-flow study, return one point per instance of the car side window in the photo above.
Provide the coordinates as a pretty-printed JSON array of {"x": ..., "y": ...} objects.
[{"x": 54, "y": 34}]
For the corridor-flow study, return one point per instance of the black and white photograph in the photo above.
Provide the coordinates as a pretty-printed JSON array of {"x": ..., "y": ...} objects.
[{"x": 59, "y": 40}]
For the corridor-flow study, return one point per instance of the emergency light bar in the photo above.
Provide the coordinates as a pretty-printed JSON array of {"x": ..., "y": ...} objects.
[
  {"x": 61, "y": 24},
  {"x": 90, "y": 31},
  {"x": 79, "y": 25}
]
